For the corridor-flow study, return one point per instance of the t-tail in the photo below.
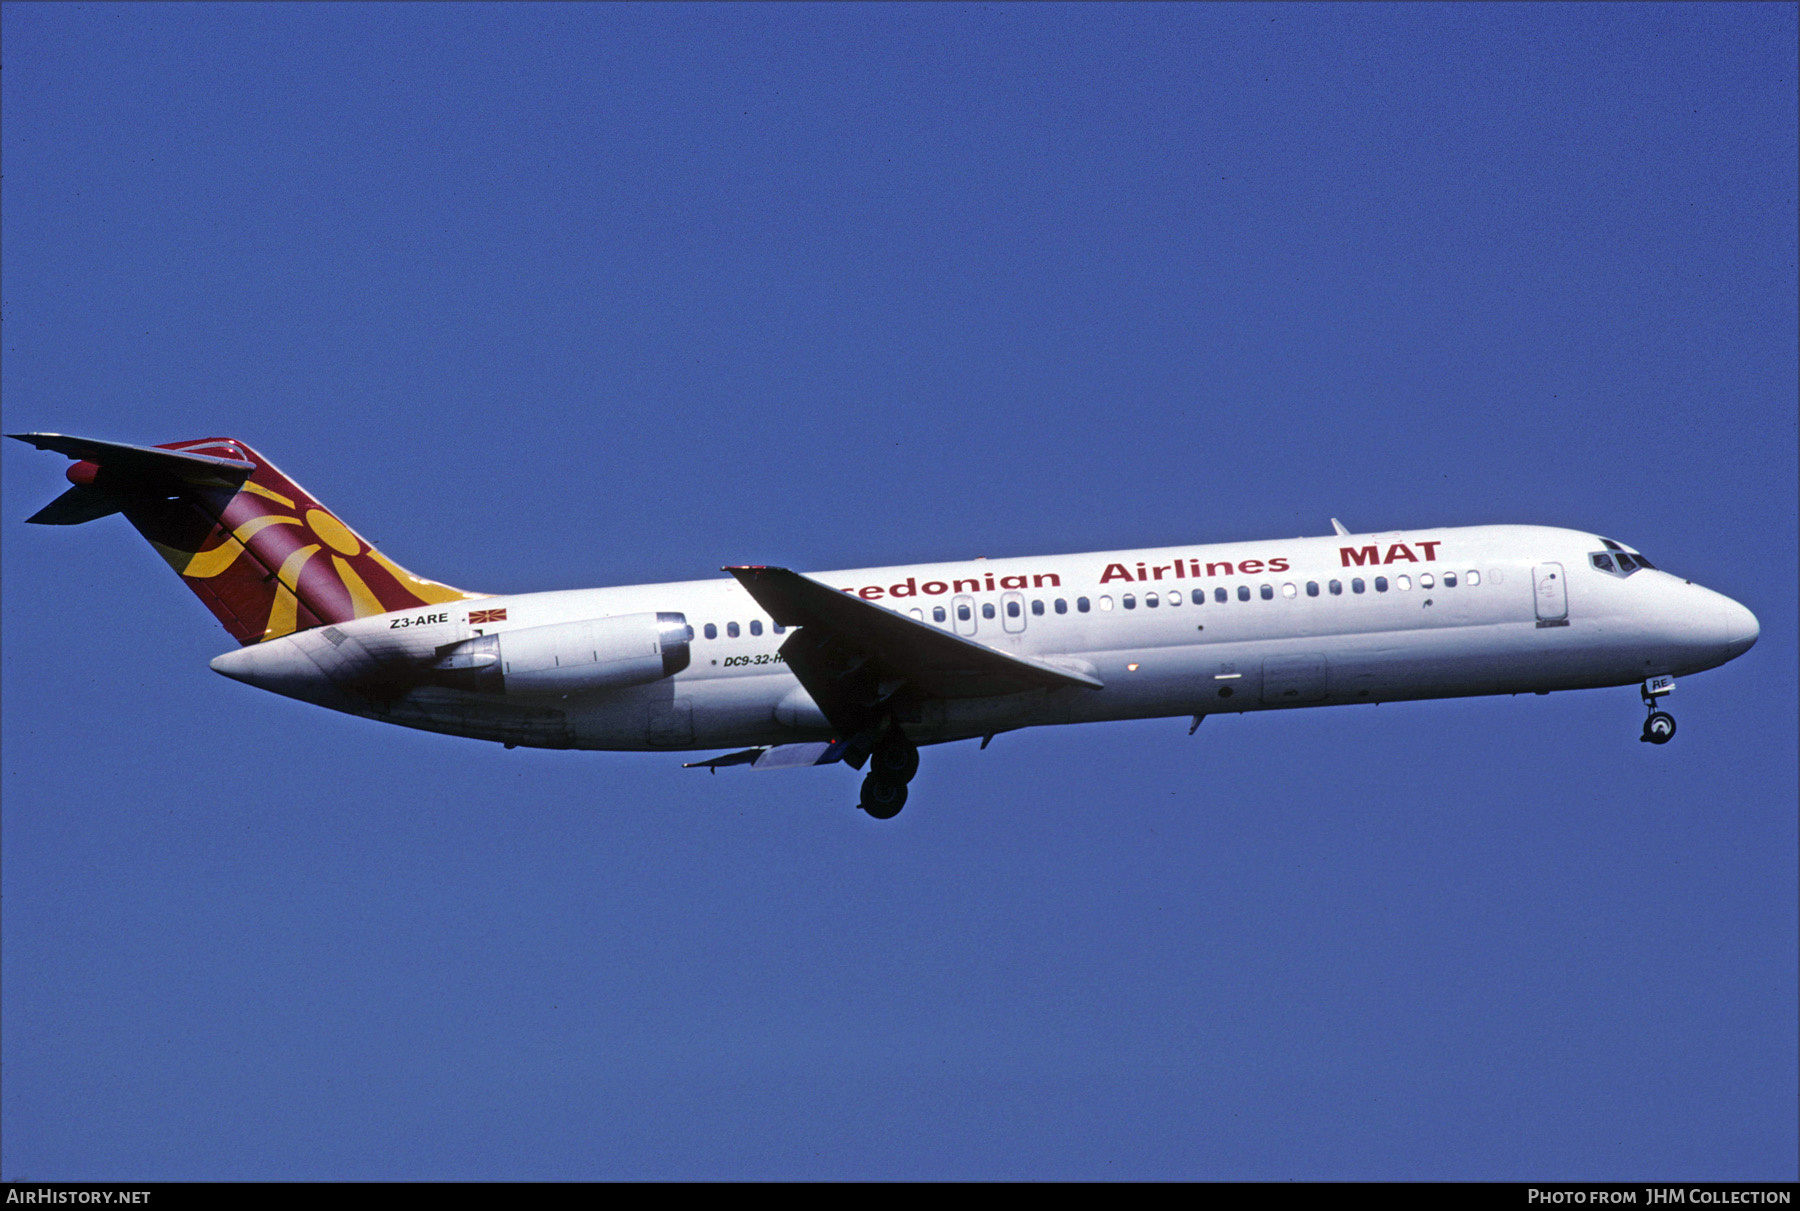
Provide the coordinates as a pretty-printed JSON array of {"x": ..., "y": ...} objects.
[{"x": 264, "y": 556}]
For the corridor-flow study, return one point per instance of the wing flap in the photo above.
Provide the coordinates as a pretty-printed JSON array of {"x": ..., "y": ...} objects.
[{"x": 779, "y": 756}]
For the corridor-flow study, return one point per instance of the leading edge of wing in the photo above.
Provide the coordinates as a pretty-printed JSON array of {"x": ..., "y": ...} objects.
[{"x": 936, "y": 661}]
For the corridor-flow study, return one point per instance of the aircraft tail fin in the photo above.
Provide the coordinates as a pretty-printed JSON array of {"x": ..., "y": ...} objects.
[{"x": 264, "y": 556}]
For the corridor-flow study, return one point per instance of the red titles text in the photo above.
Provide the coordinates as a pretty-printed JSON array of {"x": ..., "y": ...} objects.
[
  {"x": 1399, "y": 552},
  {"x": 911, "y": 586},
  {"x": 1187, "y": 569}
]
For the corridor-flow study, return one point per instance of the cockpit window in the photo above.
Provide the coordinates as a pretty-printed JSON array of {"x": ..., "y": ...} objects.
[{"x": 1616, "y": 560}]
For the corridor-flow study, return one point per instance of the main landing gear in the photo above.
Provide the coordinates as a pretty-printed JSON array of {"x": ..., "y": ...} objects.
[
  {"x": 1659, "y": 728},
  {"x": 891, "y": 766}
]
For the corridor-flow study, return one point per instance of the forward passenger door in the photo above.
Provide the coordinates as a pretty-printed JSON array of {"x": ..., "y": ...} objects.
[{"x": 1552, "y": 595}]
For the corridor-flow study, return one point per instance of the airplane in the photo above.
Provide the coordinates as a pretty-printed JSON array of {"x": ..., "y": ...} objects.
[{"x": 863, "y": 667}]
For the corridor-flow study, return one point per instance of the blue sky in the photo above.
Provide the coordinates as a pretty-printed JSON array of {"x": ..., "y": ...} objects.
[{"x": 556, "y": 296}]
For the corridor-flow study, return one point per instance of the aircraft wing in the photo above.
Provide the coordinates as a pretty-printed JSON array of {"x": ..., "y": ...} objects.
[{"x": 853, "y": 655}]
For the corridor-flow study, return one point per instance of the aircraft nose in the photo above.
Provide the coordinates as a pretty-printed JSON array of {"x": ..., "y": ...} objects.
[{"x": 1741, "y": 629}]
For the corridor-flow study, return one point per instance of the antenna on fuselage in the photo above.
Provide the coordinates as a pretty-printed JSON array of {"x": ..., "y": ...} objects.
[{"x": 1338, "y": 526}]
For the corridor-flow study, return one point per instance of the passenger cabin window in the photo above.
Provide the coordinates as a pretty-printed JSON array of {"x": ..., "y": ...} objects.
[
  {"x": 1151, "y": 601},
  {"x": 1081, "y": 604},
  {"x": 779, "y": 629},
  {"x": 1288, "y": 590},
  {"x": 1014, "y": 610},
  {"x": 1312, "y": 588},
  {"x": 1062, "y": 607},
  {"x": 1220, "y": 595},
  {"x": 1425, "y": 581},
  {"x": 1336, "y": 587},
  {"x": 1268, "y": 592},
  {"x": 1474, "y": 578},
  {"x": 1175, "y": 597},
  {"x": 987, "y": 609},
  {"x": 731, "y": 629},
  {"x": 1356, "y": 584},
  {"x": 1130, "y": 601},
  {"x": 711, "y": 631},
  {"x": 1037, "y": 607},
  {"x": 1199, "y": 596},
  {"x": 1106, "y": 603},
  {"x": 1381, "y": 584},
  {"x": 1243, "y": 592},
  {"x": 1403, "y": 583},
  {"x": 756, "y": 626},
  {"x": 937, "y": 613},
  {"x": 964, "y": 613},
  {"x": 1449, "y": 580}
]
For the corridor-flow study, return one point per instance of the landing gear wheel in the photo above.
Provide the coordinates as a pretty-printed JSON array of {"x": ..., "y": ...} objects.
[
  {"x": 895, "y": 760},
  {"x": 881, "y": 798},
  {"x": 1659, "y": 728}
]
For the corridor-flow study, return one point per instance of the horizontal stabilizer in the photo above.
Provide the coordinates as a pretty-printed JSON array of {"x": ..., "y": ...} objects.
[
  {"x": 110, "y": 476},
  {"x": 118, "y": 457},
  {"x": 80, "y": 503}
]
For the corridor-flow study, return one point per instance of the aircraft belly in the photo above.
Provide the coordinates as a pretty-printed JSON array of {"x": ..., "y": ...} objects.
[
  {"x": 743, "y": 710},
  {"x": 457, "y": 713},
  {"x": 1429, "y": 662},
  {"x": 685, "y": 713}
]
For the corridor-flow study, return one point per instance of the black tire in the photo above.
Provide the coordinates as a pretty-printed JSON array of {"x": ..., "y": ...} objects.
[
  {"x": 883, "y": 799},
  {"x": 1659, "y": 728},
  {"x": 895, "y": 761}
]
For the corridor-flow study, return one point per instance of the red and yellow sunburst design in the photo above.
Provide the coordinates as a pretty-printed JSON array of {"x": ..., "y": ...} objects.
[{"x": 270, "y": 560}]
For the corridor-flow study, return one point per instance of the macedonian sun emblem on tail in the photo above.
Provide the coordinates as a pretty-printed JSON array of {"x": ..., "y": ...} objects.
[{"x": 269, "y": 559}]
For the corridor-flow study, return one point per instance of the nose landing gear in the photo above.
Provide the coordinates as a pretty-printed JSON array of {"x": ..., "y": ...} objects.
[
  {"x": 891, "y": 766},
  {"x": 1659, "y": 728}
]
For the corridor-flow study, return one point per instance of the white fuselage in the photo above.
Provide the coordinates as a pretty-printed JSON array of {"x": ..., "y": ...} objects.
[{"x": 1479, "y": 610}]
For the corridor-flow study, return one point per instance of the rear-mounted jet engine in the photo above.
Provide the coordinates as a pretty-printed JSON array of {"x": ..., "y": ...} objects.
[{"x": 568, "y": 657}]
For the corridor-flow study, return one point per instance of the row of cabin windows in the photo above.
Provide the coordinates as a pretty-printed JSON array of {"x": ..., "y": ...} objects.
[
  {"x": 1335, "y": 588},
  {"x": 1427, "y": 580},
  {"x": 711, "y": 631},
  {"x": 1014, "y": 608}
]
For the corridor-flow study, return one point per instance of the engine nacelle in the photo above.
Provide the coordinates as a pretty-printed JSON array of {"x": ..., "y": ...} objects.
[{"x": 569, "y": 657}]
